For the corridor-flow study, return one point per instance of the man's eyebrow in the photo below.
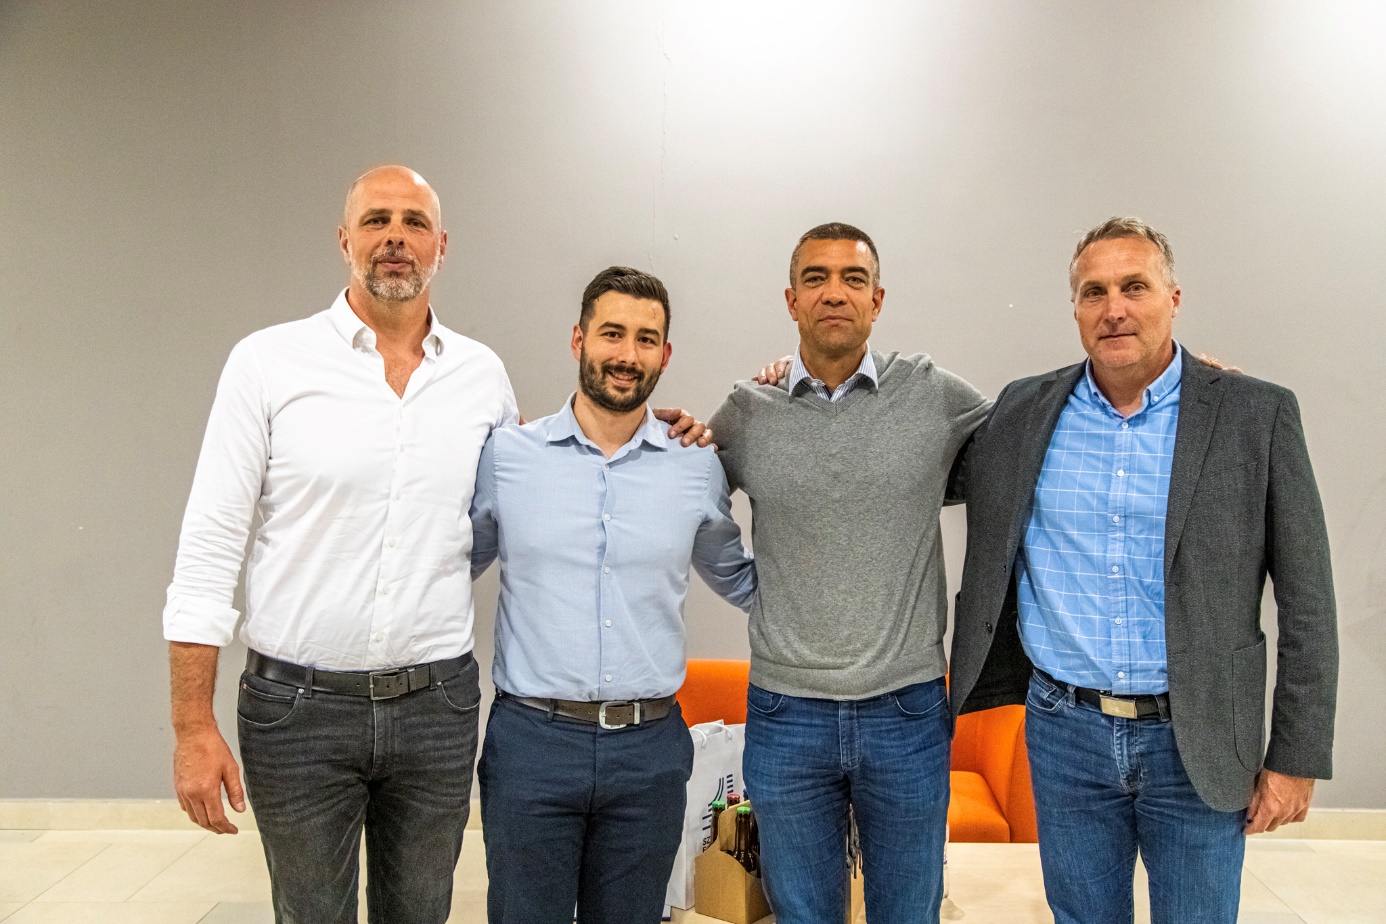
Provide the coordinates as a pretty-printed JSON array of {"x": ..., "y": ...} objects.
[
  {"x": 804, "y": 271},
  {"x": 611, "y": 325}
]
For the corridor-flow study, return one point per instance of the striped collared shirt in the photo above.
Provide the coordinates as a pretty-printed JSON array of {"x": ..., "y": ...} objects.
[
  {"x": 799, "y": 374},
  {"x": 1090, "y": 572}
]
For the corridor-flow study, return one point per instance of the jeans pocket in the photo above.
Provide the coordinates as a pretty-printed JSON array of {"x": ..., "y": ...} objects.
[
  {"x": 763, "y": 701},
  {"x": 920, "y": 699},
  {"x": 1044, "y": 696},
  {"x": 264, "y": 703}
]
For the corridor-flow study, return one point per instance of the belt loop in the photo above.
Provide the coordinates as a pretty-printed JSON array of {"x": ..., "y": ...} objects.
[
  {"x": 1162, "y": 702},
  {"x": 553, "y": 704},
  {"x": 1071, "y": 699},
  {"x": 308, "y": 684}
]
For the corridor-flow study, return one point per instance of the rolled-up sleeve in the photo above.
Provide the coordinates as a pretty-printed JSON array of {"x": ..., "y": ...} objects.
[{"x": 225, "y": 491}]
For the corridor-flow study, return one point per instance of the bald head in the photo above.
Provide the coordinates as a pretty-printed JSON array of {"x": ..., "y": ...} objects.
[{"x": 388, "y": 176}]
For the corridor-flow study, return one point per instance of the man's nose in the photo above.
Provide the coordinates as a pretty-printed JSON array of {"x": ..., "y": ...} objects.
[{"x": 834, "y": 293}]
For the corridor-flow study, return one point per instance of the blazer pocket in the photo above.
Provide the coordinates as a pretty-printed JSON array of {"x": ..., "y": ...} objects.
[{"x": 1249, "y": 704}]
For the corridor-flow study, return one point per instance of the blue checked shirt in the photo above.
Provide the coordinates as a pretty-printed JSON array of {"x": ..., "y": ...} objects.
[
  {"x": 1090, "y": 571},
  {"x": 595, "y": 553},
  {"x": 864, "y": 376}
]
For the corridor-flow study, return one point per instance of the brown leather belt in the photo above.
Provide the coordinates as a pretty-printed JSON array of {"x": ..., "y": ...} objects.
[
  {"x": 614, "y": 713},
  {"x": 1145, "y": 706},
  {"x": 386, "y": 684}
]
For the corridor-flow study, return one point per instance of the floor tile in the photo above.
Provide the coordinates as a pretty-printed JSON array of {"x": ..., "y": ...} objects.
[
  {"x": 19, "y": 837},
  {"x": 119, "y": 836},
  {"x": 240, "y": 913},
  {"x": 26, "y": 870},
  {"x": 1269, "y": 917},
  {"x": 110, "y": 913},
  {"x": 1326, "y": 887},
  {"x": 227, "y": 868},
  {"x": 8, "y": 909},
  {"x": 115, "y": 873},
  {"x": 1256, "y": 844}
]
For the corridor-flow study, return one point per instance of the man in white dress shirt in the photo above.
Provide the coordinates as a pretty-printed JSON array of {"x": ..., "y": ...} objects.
[{"x": 354, "y": 436}]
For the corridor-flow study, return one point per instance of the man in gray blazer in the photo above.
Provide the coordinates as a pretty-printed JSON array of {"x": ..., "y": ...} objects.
[{"x": 1123, "y": 515}]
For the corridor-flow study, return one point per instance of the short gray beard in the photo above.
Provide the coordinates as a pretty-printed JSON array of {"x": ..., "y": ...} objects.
[{"x": 395, "y": 289}]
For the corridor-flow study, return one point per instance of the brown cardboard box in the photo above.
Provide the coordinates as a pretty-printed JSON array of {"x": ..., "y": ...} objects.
[
  {"x": 856, "y": 904},
  {"x": 721, "y": 886},
  {"x": 723, "y": 889}
]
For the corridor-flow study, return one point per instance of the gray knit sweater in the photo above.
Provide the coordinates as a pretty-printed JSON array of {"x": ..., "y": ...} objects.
[{"x": 845, "y": 499}]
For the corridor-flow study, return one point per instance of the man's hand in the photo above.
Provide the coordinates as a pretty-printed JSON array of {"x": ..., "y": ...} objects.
[
  {"x": 681, "y": 423},
  {"x": 1277, "y": 800},
  {"x": 202, "y": 765},
  {"x": 771, "y": 374},
  {"x": 1216, "y": 363}
]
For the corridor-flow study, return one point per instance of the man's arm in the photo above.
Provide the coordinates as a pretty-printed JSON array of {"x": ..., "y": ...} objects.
[
  {"x": 485, "y": 529},
  {"x": 198, "y": 618},
  {"x": 720, "y": 559},
  {"x": 202, "y": 763},
  {"x": 1305, "y": 699}
]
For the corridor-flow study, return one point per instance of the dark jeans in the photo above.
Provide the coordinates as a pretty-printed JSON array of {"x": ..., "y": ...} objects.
[
  {"x": 807, "y": 759},
  {"x": 579, "y": 815},
  {"x": 319, "y": 766},
  {"x": 1106, "y": 788}
]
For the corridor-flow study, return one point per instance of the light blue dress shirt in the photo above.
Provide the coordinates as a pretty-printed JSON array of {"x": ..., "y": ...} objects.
[
  {"x": 864, "y": 376},
  {"x": 1090, "y": 572},
  {"x": 594, "y": 556}
]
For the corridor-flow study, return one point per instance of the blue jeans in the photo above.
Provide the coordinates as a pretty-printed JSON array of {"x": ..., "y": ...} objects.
[
  {"x": 1108, "y": 787},
  {"x": 320, "y": 766},
  {"x": 580, "y": 815},
  {"x": 806, "y": 760}
]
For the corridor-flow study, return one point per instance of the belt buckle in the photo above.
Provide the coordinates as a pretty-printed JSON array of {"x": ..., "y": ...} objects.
[
  {"x": 1121, "y": 708},
  {"x": 391, "y": 683},
  {"x": 635, "y": 713}
]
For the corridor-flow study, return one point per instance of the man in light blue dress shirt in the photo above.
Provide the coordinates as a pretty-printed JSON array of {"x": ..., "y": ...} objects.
[{"x": 595, "y": 515}]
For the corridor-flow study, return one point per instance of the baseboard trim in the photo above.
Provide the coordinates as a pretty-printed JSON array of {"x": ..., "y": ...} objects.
[{"x": 123, "y": 814}]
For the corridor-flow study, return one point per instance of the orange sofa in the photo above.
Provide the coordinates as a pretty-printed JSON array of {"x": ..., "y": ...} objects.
[{"x": 991, "y": 796}]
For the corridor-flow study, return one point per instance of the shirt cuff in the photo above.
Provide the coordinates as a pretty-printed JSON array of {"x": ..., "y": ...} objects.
[{"x": 202, "y": 622}]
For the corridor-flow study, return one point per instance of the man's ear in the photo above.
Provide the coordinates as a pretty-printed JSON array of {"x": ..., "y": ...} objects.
[
  {"x": 344, "y": 244},
  {"x": 878, "y": 299},
  {"x": 577, "y": 342},
  {"x": 1174, "y": 297},
  {"x": 792, "y": 304},
  {"x": 668, "y": 352}
]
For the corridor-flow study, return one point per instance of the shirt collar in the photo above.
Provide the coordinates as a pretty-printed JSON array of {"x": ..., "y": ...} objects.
[
  {"x": 1155, "y": 392},
  {"x": 798, "y": 372},
  {"x": 564, "y": 425},
  {"x": 359, "y": 335}
]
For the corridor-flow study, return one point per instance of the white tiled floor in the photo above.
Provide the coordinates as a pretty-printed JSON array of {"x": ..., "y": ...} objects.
[{"x": 188, "y": 877}]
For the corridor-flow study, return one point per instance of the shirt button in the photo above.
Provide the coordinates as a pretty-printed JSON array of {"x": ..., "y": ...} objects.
[
  {"x": 397, "y": 494},
  {"x": 380, "y": 636},
  {"x": 1121, "y": 473},
  {"x": 1121, "y": 674},
  {"x": 606, "y": 516},
  {"x": 606, "y": 571},
  {"x": 1125, "y": 425},
  {"x": 390, "y": 542},
  {"x": 1118, "y": 620},
  {"x": 608, "y": 678},
  {"x": 401, "y": 447},
  {"x": 384, "y": 591},
  {"x": 1116, "y": 519},
  {"x": 1116, "y": 570},
  {"x": 608, "y": 623}
]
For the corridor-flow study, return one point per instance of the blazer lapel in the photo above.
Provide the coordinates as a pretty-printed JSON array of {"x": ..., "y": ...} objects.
[
  {"x": 1049, "y": 403},
  {"x": 1200, "y": 394}
]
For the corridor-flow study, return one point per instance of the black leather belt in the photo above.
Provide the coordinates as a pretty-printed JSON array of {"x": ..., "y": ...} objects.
[
  {"x": 614, "y": 713},
  {"x": 386, "y": 684},
  {"x": 1125, "y": 707}
]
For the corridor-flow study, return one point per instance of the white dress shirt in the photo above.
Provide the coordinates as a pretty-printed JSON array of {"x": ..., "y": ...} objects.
[{"x": 362, "y": 558}]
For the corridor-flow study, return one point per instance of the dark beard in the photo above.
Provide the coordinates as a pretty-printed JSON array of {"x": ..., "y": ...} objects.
[{"x": 592, "y": 381}]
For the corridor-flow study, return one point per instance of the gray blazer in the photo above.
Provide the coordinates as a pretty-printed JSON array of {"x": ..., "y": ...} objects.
[{"x": 1242, "y": 505}]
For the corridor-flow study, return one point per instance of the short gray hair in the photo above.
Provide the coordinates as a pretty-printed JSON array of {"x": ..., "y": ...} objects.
[{"x": 1118, "y": 227}]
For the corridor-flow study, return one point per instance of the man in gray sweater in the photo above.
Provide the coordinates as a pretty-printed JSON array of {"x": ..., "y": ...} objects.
[{"x": 847, "y": 464}]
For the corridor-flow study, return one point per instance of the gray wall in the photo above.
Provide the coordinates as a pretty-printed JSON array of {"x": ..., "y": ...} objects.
[{"x": 171, "y": 176}]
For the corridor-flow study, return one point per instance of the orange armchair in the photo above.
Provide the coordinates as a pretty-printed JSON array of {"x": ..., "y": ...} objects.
[
  {"x": 992, "y": 800},
  {"x": 990, "y": 779}
]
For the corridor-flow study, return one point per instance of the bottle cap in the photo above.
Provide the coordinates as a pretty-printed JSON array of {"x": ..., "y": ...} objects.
[{"x": 743, "y": 810}]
